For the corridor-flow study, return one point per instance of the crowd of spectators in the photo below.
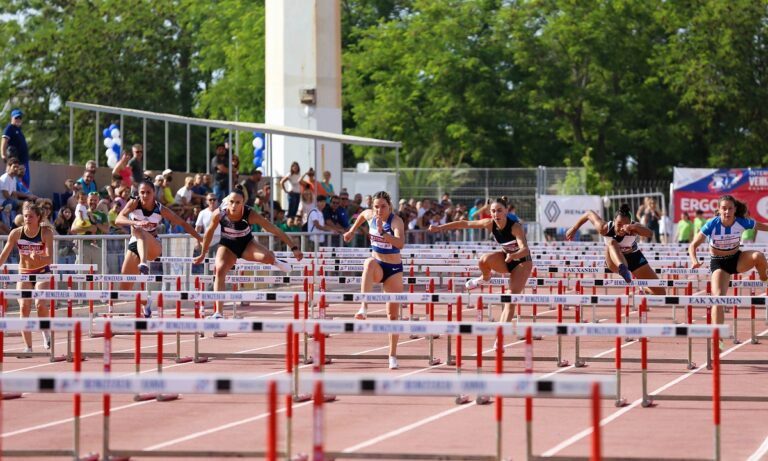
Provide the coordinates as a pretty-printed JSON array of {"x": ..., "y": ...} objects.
[{"x": 313, "y": 204}]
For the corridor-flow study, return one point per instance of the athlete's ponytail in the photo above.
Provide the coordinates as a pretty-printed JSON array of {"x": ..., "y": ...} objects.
[
  {"x": 239, "y": 190},
  {"x": 741, "y": 208},
  {"x": 503, "y": 201}
]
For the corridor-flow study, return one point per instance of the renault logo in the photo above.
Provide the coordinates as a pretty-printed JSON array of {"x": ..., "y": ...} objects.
[{"x": 552, "y": 211}]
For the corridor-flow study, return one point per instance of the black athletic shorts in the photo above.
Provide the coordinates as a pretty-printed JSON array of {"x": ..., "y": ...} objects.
[
  {"x": 516, "y": 262},
  {"x": 236, "y": 246},
  {"x": 635, "y": 260},
  {"x": 726, "y": 263}
]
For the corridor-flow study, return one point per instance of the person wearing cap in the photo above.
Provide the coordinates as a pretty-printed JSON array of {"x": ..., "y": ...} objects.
[{"x": 15, "y": 144}]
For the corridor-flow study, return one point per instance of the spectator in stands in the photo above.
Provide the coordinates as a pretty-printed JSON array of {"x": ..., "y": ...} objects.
[
  {"x": 367, "y": 203},
  {"x": 251, "y": 185},
  {"x": 14, "y": 144},
  {"x": 204, "y": 220},
  {"x": 199, "y": 190},
  {"x": 649, "y": 216},
  {"x": 46, "y": 208},
  {"x": 335, "y": 216},
  {"x": 305, "y": 207},
  {"x": 665, "y": 227},
  {"x": 446, "y": 199},
  {"x": 136, "y": 163},
  {"x": 326, "y": 188},
  {"x": 6, "y": 219},
  {"x": 290, "y": 183},
  {"x": 316, "y": 221},
  {"x": 98, "y": 215},
  {"x": 169, "y": 196},
  {"x": 353, "y": 206},
  {"x": 62, "y": 225},
  {"x": 184, "y": 196},
  {"x": 76, "y": 189},
  {"x": 87, "y": 184},
  {"x": 220, "y": 171},
  {"x": 684, "y": 229},
  {"x": 82, "y": 222},
  {"x": 308, "y": 181},
  {"x": 110, "y": 190},
  {"x": 8, "y": 185},
  {"x": 698, "y": 222}
]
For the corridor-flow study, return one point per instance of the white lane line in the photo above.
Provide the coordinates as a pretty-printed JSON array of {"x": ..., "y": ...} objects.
[
  {"x": 758, "y": 455},
  {"x": 565, "y": 444},
  {"x": 407, "y": 428},
  {"x": 433, "y": 418},
  {"x": 219, "y": 428}
]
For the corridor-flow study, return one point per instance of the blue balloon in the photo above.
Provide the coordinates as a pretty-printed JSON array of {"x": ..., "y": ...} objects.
[
  {"x": 106, "y": 133},
  {"x": 116, "y": 149},
  {"x": 257, "y": 162},
  {"x": 112, "y": 127}
]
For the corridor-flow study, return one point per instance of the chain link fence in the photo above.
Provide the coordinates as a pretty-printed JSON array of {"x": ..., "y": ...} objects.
[{"x": 465, "y": 185}]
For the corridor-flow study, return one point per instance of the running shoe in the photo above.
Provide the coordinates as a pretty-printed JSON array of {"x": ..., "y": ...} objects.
[
  {"x": 476, "y": 282},
  {"x": 721, "y": 345},
  {"x": 625, "y": 273},
  {"x": 144, "y": 268},
  {"x": 393, "y": 363},
  {"x": 362, "y": 314},
  {"x": 282, "y": 265},
  {"x": 46, "y": 340},
  {"x": 216, "y": 316},
  {"x": 23, "y": 355},
  {"x": 148, "y": 308}
]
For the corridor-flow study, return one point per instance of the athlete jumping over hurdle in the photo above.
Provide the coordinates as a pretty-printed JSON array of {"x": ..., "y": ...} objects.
[
  {"x": 621, "y": 252},
  {"x": 385, "y": 266},
  {"x": 143, "y": 214},
  {"x": 514, "y": 257},
  {"x": 723, "y": 233},
  {"x": 236, "y": 219},
  {"x": 35, "y": 245}
]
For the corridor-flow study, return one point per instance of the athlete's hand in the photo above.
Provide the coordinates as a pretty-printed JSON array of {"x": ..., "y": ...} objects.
[
  {"x": 199, "y": 259},
  {"x": 433, "y": 229},
  {"x": 348, "y": 236},
  {"x": 570, "y": 233},
  {"x": 298, "y": 254},
  {"x": 695, "y": 264},
  {"x": 508, "y": 258},
  {"x": 628, "y": 229},
  {"x": 380, "y": 226}
]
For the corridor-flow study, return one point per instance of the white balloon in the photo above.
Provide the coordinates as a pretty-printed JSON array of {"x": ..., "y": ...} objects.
[
  {"x": 108, "y": 142},
  {"x": 109, "y": 152},
  {"x": 117, "y": 141},
  {"x": 258, "y": 143},
  {"x": 115, "y": 133},
  {"x": 112, "y": 161}
]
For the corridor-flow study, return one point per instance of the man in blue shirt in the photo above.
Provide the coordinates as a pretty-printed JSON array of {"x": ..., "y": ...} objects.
[
  {"x": 14, "y": 144},
  {"x": 336, "y": 216}
]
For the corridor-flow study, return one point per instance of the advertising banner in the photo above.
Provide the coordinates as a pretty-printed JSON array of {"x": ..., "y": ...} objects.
[
  {"x": 699, "y": 189},
  {"x": 565, "y": 210}
]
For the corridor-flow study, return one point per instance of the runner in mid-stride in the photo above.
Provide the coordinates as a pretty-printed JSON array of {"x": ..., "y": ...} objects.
[
  {"x": 35, "y": 245},
  {"x": 387, "y": 233}
]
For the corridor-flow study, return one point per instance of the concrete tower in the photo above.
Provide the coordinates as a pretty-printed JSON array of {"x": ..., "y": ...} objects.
[{"x": 303, "y": 82}]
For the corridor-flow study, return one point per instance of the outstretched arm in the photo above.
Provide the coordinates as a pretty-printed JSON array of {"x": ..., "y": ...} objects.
[
  {"x": 175, "y": 219},
  {"x": 479, "y": 224},
  {"x": 256, "y": 218},
  {"x": 10, "y": 244},
  {"x": 600, "y": 226},
  {"x": 361, "y": 218}
]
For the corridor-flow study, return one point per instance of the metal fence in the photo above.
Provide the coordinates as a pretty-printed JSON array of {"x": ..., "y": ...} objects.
[{"x": 465, "y": 185}]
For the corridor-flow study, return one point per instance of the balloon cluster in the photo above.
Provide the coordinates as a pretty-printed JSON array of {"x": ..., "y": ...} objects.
[
  {"x": 258, "y": 149},
  {"x": 113, "y": 143}
]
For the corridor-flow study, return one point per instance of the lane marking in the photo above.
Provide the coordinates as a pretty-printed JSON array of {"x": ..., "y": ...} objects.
[
  {"x": 577, "y": 437},
  {"x": 758, "y": 455}
]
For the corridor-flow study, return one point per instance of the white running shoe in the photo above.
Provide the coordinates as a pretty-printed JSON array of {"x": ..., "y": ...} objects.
[
  {"x": 282, "y": 265},
  {"x": 215, "y": 316},
  {"x": 46, "y": 340},
  {"x": 23, "y": 355},
  {"x": 362, "y": 314},
  {"x": 476, "y": 282},
  {"x": 393, "y": 363}
]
